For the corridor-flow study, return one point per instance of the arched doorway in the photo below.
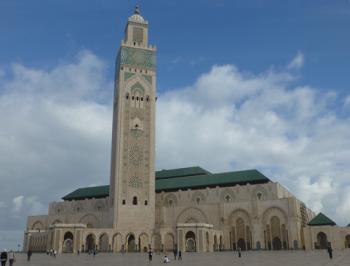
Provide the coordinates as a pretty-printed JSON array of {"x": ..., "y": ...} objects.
[
  {"x": 103, "y": 243},
  {"x": 169, "y": 242},
  {"x": 143, "y": 242},
  {"x": 276, "y": 233},
  {"x": 276, "y": 243},
  {"x": 68, "y": 242},
  {"x": 117, "y": 243},
  {"x": 347, "y": 241},
  {"x": 131, "y": 243},
  {"x": 190, "y": 241},
  {"x": 241, "y": 244},
  {"x": 90, "y": 242},
  {"x": 322, "y": 242},
  {"x": 241, "y": 231}
]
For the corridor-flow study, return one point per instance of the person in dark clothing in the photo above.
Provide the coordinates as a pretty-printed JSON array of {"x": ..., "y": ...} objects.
[
  {"x": 29, "y": 254},
  {"x": 330, "y": 251},
  {"x": 3, "y": 257},
  {"x": 150, "y": 254},
  {"x": 175, "y": 254},
  {"x": 239, "y": 253},
  {"x": 179, "y": 257}
]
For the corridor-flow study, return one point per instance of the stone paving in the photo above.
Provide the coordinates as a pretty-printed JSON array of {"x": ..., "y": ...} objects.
[{"x": 251, "y": 258}]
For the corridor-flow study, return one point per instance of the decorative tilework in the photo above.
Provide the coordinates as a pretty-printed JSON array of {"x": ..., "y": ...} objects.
[
  {"x": 148, "y": 78},
  {"x": 128, "y": 75},
  {"x": 138, "y": 57}
]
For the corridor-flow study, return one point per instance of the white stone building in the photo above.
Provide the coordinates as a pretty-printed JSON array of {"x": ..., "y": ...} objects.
[{"x": 188, "y": 209}]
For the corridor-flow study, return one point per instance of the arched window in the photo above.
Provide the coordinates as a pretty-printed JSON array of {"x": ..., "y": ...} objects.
[
  {"x": 123, "y": 201},
  {"x": 146, "y": 202},
  {"x": 134, "y": 201},
  {"x": 259, "y": 195}
]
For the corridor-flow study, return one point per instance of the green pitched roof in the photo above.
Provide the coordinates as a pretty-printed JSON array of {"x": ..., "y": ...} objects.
[
  {"x": 188, "y": 171},
  {"x": 171, "y": 180},
  {"x": 321, "y": 219},
  {"x": 211, "y": 180},
  {"x": 88, "y": 192},
  {"x": 348, "y": 225}
]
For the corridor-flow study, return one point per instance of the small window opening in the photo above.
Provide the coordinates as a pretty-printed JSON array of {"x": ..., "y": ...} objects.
[
  {"x": 137, "y": 98},
  {"x": 147, "y": 99},
  {"x": 136, "y": 125},
  {"x": 134, "y": 201},
  {"x": 127, "y": 96},
  {"x": 132, "y": 98},
  {"x": 146, "y": 202},
  {"x": 198, "y": 200},
  {"x": 227, "y": 198},
  {"x": 134, "y": 43},
  {"x": 141, "y": 99},
  {"x": 170, "y": 203},
  {"x": 123, "y": 201},
  {"x": 259, "y": 195}
]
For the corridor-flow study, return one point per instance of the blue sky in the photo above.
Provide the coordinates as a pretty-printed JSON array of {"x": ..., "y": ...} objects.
[
  {"x": 191, "y": 36},
  {"x": 260, "y": 84}
]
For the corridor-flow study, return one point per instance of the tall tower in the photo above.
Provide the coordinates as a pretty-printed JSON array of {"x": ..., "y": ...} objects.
[{"x": 132, "y": 180}]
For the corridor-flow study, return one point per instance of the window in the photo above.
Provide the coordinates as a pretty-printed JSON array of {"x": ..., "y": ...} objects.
[
  {"x": 134, "y": 201},
  {"x": 227, "y": 198},
  {"x": 146, "y": 203},
  {"x": 123, "y": 201},
  {"x": 198, "y": 200},
  {"x": 259, "y": 195}
]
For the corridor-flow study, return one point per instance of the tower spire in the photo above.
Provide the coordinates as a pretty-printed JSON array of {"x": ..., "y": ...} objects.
[{"x": 137, "y": 10}]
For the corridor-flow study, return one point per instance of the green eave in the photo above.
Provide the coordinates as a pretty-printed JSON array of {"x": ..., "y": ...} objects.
[
  {"x": 320, "y": 220},
  {"x": 182, "y": 178},
  {"x": 211, "y": 180},
  {"x": 88, "y": 193},
  {"x": 181, "y": 172}
]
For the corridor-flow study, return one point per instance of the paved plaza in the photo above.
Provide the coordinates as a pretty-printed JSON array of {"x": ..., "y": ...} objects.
[{"x": 261, "y": 258}]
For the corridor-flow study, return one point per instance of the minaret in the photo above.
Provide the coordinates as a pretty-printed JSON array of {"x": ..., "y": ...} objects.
[{"x": 132, "y": 180}]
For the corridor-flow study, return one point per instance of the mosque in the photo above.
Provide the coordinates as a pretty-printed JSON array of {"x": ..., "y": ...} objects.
[{"x": 188, "y": 209}]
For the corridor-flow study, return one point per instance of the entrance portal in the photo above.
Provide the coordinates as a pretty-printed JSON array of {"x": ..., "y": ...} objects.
[
  {"x": 190, "y": 241},
  {"x": 322, "y": 241}
]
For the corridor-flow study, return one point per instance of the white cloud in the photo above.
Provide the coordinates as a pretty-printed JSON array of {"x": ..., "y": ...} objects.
[
  {"x": 17, "y": 203},
  {"x": 297, "y": 62}
]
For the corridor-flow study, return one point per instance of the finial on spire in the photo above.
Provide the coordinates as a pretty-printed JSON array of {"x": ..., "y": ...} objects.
[{"x": 137, "y": 10}]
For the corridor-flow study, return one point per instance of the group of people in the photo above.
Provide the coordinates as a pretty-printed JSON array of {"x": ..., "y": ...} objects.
[
  {"x": 51, "y": 252},
  {"x": 166, "y": 259},
  {"x": 7, "y": 256}
]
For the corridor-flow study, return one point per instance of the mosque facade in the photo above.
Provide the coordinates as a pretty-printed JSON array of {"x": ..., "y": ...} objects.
[{"x": 188, "y": 209}]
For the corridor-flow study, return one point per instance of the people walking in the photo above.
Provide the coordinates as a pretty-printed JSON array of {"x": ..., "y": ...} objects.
[
  {"x": 330, "y": 251},
  {"x": 239, "y": 253},
  {"x": 3, "y": 257},
  {"x": 179, "y": 257},
  {"x": 12, "y": 257},
  {"x": 150, "y": 255},
  {"x": 29, "y": 254}
]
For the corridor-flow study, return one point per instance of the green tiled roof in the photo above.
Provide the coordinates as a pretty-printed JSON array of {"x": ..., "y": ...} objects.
[
  {"x": 211, "y": 180},
  {"x": 88, "y": 192},
  {"x": 321, "y": 219},
  {"x": 188, "y": 171},
  {"x": 171, "y": 180}
]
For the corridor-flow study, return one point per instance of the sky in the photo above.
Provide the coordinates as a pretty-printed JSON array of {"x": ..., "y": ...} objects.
[{"x": 258, "y": 84}]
